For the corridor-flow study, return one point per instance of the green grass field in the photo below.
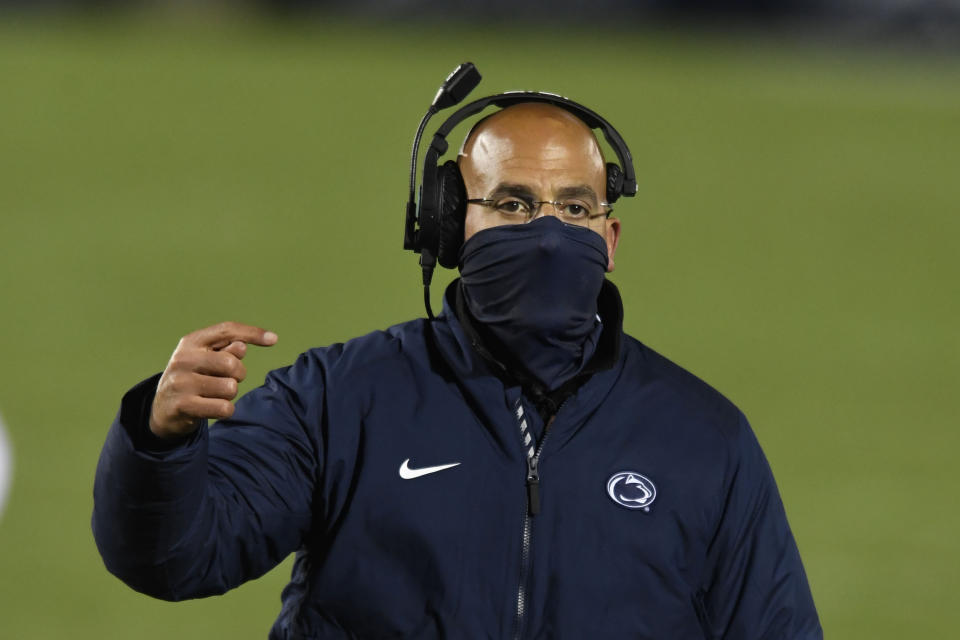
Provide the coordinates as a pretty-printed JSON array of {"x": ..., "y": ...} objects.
[{"x": 794, "y": 243}]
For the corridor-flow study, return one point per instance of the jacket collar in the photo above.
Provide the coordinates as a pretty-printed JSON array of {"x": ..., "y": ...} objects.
[{"x": 488, "y": 381}]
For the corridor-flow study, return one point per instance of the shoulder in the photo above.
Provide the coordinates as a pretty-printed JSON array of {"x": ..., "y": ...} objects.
[
  {"x": 366, "y": 357},
  {"x": 678, "y": 393},
  {"x": 711, "y": 434},
  {"x": 399, "y": 342}
]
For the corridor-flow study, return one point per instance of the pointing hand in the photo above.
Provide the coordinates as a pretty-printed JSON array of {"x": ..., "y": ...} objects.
[{"x": 201, "y": 377}]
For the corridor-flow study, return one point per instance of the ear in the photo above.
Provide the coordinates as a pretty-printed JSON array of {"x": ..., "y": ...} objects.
[{"x": 612, "y": 236}]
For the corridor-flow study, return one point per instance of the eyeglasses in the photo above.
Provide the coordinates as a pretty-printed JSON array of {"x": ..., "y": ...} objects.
[{"x": 513, "y": 210}]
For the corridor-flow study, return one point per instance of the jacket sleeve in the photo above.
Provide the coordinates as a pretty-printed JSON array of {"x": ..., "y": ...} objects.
[
  {"x": 757, "y": 586},
  {"x": 221, "y": 507}
]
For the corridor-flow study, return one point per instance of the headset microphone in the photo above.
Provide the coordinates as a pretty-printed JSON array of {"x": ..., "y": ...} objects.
[
  {"x": 434, "y": 224},
  {"x": 457, "y": 86}
]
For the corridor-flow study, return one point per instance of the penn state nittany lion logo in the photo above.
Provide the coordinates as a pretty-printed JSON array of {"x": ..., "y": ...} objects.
[{"x": 631, "y": 490}]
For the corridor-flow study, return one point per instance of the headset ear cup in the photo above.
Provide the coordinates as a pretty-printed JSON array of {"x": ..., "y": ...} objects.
[
  {"x": 614, "y": 182},
  {"x": 452, "y": 211}
]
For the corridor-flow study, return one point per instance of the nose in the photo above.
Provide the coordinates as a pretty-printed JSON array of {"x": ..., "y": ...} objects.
[{"x": 541, "y": 206}]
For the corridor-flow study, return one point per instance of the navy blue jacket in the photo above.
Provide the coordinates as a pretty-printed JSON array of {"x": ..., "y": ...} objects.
[{"x": 658, "y": 516}]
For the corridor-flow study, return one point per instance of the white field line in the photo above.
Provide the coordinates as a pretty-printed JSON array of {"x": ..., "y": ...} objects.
[{"x": 6, "y": 466}]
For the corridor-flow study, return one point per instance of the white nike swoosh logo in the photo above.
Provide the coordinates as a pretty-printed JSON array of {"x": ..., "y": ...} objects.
[{"x": 408, "y": 474}]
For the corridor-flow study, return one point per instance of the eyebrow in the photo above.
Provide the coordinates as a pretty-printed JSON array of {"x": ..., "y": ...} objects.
[
  {"x": 513, "y": 189},
  {"x": 581, "y": 191}
]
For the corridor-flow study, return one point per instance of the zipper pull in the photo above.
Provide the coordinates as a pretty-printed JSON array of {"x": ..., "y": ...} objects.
[{"x": 533, "y": 484}]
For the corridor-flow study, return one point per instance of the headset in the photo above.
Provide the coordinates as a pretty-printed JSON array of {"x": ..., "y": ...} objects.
[{"x": 434, "y": 225}]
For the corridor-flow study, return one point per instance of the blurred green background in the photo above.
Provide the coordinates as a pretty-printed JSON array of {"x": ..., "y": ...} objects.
[{"x": 793, "y": 242}]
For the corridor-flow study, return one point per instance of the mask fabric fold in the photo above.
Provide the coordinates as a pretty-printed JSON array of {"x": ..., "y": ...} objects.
[{"x": 535, "y": 287}]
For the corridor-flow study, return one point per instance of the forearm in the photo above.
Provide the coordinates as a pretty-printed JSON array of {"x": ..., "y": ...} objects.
[
  {"x": 217, "y": 508},
  {"x": 146, "y": 501}
]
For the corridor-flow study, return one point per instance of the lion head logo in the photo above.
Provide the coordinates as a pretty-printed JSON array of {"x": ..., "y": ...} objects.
[{"x": 631, "y": 490}]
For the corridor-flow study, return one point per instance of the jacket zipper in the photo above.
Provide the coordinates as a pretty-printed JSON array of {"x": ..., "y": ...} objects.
[
  {"x": 524, "y": 566},
  {"x": 532, "y": 509}
]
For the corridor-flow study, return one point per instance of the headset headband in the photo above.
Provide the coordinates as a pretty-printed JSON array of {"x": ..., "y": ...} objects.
[{"x": 591, "y": 118}]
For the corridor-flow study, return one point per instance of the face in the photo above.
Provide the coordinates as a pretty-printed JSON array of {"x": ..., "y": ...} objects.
[{"x": 534, "y": 152}]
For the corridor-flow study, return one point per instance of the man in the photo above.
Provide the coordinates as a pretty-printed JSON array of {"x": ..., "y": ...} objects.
[{"x": 517, "y": 467}]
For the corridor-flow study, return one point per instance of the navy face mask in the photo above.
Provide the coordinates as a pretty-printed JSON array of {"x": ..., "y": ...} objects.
[{"x": 535, "y": 287}]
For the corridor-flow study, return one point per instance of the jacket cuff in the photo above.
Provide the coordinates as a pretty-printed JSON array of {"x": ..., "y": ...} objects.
[
  {"x": 134, "y": 465},
  {"x": 135, "y": 419}
]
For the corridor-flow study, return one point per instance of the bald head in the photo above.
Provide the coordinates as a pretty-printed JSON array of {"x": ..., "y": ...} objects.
[
  {"x": 543, "y": 133},
  {"x": 539, "y": 149}
]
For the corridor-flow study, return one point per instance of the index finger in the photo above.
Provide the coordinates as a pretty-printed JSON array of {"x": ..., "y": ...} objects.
[{"x": 221, "y": 335}]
